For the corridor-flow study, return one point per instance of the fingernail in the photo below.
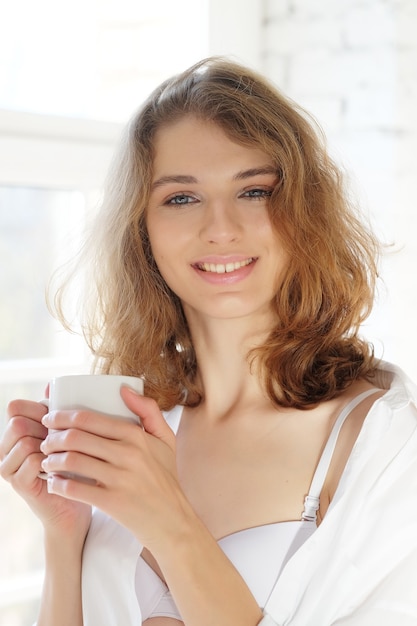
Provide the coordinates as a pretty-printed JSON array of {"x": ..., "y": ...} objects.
[
  {"x": 131, "y": 390},
  {"x": 49, "y": 484},
  {"x": 45, "y": 420}
]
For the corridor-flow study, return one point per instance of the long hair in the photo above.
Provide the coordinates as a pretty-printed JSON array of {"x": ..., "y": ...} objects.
[{"x": 133, "y": 322}]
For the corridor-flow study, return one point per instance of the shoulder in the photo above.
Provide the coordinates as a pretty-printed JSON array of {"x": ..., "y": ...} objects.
[
  {"x": 388, "y": 437},
  {"x": 386, "y": 418},
  {"x": 400, "y": 390},
  {"x": 392, "y": 408}
]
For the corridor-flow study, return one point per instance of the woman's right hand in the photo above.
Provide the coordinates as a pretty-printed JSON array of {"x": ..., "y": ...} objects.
[{"x": 21, "y": 459}]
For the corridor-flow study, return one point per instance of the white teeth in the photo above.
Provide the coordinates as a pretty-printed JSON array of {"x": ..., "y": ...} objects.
[{"x": 220, "y": 268}]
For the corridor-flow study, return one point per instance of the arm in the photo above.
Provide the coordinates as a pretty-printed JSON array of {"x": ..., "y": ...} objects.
[
  {"x": 61, "y": 595},
  {"x": 207, "y": 588},
  {"x": 137, "y": 485}
]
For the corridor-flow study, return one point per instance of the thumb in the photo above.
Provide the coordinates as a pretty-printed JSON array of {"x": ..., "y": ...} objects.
[{"x": 149, "y": 414}]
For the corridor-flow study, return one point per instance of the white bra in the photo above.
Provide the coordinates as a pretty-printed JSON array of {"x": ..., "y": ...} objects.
[{"x": 259, "y": 553}]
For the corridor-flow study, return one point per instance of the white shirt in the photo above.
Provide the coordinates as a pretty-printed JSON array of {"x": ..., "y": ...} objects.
[{"x": 358, "y": 568}]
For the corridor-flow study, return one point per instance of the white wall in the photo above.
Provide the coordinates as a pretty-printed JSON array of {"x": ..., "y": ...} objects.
[
  {"x": 352, "y": 63},
  {"x": 235, "y": 29}
]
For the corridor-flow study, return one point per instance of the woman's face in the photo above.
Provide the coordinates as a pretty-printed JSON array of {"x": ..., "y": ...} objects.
[{"x": 208, "y": 221}]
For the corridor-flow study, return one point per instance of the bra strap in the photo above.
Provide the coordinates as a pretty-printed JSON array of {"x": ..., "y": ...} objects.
[{"x": 312, "y": 500}]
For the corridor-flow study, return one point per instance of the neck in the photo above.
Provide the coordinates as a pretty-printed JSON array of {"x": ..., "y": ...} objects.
[{"x": 229, "y": 378}]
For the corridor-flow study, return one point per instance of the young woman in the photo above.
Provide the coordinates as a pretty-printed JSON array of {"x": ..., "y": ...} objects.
[{"x": 278, "y": 486}]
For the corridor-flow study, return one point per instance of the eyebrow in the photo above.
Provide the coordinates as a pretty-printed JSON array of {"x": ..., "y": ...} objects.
[
  {"x": 255, "y": 171},
  {"x": 181, "y": 179},
  {"x": 188, "y": 180}
]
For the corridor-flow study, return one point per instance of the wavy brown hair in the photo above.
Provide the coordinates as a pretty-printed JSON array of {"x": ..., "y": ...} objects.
[{"x": 134, "y": 324}]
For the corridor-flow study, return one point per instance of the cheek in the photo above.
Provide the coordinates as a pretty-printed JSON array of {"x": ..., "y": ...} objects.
[
  {"x": 164, "y": 263},
  {"x": 158, "y": 256},
  {"x": 156, "y": 240},
  {"x": 161, "y": 262}
]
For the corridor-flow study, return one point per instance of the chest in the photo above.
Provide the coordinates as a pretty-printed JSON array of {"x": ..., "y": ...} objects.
[{"x": 244, "y": 475}]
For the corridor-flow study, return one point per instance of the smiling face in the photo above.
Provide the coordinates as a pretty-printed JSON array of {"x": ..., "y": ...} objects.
[{"x": 208, "y": 221}]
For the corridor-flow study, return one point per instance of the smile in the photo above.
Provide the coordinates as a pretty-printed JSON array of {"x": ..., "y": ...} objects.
[{"x": 224, "y": 268}]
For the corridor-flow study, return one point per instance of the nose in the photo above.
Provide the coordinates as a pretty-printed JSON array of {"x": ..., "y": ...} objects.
[{"x": 221, "y": 223}]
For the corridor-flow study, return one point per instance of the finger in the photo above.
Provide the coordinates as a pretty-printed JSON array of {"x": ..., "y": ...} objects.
[
  {"x": 100, "y": 424},
  {"x": 150, "y": 415},
  {"x": 77, "y": 466},
  {"x": 25, "y": 480},
  {"x": 22, "y": 464},
  {"x": 87, "y": 492},
  {"x": 26, "y": 408},
  {"x": 19, "y": 428},
  {"x": 75, "y": 440}
]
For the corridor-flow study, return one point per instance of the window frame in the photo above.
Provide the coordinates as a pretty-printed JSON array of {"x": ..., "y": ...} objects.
[{"x": 51, "y": 152}]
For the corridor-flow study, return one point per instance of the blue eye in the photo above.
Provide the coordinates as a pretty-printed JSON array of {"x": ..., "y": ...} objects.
[
  {"x": 180, "y": 199},
  {"x": 257, "y": 193}
]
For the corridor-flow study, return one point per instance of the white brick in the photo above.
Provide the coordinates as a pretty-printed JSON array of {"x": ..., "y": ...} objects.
[
  {"x": 409, "y": 7},
  {"x": 313, "y": 72},
  {"x": 327, "y": 111},
  {"x": 367, "y": 150},
  {"x": 406, "y": 118},
  {"x": 275, "y": 67},
  {"x": 406, "y": 89},
  {"x": 388, "y": 109},
  {"x": 325, "y": 73},
  {"x": 312, "y": 8},
  {"x": 406, "y": 23},
  {"x": 407, "y": 200},
  {"x": 407, "y": 64},
  {"x": 372, "y": 109},
  {"x": 370, "y": 24},
  {"x": 276, "y": 8},
  {"x": 406, "y": 162},
  {"x": 289, "y": 34}
]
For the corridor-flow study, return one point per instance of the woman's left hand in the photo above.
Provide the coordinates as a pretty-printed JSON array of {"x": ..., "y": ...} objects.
[{"x": 133, "y": 468}]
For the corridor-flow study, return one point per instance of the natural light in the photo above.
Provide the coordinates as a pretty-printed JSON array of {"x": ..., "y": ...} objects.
[
  {"x": 70, "y": 76},
  {"x": 95, "y": 59},
  {"x": 73, "y": 73}
]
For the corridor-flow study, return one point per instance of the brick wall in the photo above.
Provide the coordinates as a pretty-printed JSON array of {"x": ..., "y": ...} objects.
[{"x": 353, "y": 64}]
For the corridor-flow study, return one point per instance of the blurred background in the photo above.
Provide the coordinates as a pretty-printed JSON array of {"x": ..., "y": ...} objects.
[{"x": 71, "y": 74}]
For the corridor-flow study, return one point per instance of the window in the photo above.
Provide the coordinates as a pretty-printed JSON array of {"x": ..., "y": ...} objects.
[
  {"x": 36, "y": 224},
  {"x": 95, "y": 60},
  {"x": 70, "y": 75},
  {"x": 51, "y": 172}
]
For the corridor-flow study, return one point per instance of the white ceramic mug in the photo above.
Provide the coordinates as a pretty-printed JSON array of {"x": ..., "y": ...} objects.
[{"x": 96, "y": 392}]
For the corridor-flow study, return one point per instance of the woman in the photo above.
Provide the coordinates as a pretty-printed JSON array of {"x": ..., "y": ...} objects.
[{"x": 231, "y": 273}]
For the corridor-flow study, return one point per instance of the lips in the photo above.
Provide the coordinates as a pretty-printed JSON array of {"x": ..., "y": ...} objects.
[{"x": 224, "y": 268}]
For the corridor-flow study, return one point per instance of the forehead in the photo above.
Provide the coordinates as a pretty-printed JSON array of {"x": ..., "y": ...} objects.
[{"x": 191, "y": 142}]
